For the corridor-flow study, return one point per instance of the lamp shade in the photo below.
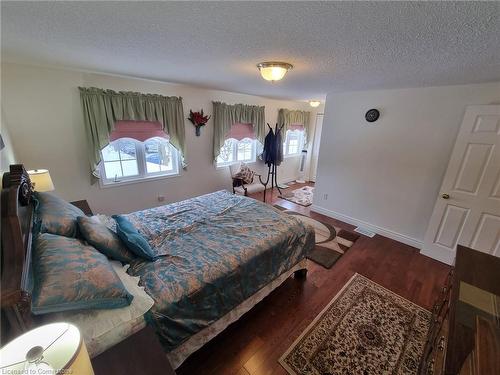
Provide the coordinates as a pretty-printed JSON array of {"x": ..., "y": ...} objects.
[
  {"x": 273, "y": 71},
  {"x": 49, "y": 349},
  {"x": 41, "y": 180}
]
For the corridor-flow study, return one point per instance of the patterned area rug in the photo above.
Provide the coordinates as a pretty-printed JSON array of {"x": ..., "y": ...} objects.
[
  {"x": 302, "y": 196},
  {"x": 366, "y": 329},
  {"x": 331, "y": 242}
]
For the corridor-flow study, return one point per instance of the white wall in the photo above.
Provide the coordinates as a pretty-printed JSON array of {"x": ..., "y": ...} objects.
[
  {"x": 42, "y": 107},
  {"x": 387, "y": 174},
  {"x": 8, "y": 154}
]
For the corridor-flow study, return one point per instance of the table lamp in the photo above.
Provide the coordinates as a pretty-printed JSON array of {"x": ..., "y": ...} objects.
[
  {"x": 40, "y": 178},
  {"x": 56, "y": 348}
]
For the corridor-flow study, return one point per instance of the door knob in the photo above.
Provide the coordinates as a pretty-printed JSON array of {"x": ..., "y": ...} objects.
[{"x": 445, "y": 196}]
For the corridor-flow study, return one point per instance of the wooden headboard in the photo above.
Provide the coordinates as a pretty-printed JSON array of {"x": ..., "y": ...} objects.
[{"x": 17, "y": 223}]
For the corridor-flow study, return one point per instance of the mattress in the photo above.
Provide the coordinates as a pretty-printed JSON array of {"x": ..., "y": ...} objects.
[{"x": 97, "y": 345}]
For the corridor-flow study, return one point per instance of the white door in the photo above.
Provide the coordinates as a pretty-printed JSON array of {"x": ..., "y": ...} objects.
[
  {"x": 467, "y": 210},
  {"x": 315, "y": 150}
]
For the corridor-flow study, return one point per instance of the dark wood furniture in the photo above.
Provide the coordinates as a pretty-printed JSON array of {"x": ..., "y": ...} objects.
[
  {"x": 481, "y": 271},
  {"x": 140, "y": 353},
  {"x": 472, "y": 290},
  {"x": 484, "y": 358},
  {"x": 434, "y": 352},
  {"x": 17, "y": 222},
  {"x": 237, "y": 182},
  {"x": 84, "y": 206}
]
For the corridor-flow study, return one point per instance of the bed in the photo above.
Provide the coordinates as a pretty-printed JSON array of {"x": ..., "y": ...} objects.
[{"x": 215, "y": 257}]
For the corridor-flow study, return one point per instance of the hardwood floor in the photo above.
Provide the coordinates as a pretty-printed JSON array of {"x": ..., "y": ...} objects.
[{"x": 252, "y": 345}]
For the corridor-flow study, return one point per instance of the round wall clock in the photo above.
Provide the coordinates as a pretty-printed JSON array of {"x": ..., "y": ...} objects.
[{"x": 372, "y": 115}]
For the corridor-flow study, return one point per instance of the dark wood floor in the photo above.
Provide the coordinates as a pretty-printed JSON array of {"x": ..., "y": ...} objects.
[{"x": 252, "y": 345}]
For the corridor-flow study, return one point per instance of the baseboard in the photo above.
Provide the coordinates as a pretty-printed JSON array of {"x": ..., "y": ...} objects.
[
  {"x": 287, "y": 180},
  {"x": 445, "y": 256},
  {"x": 374, "y": 228}
]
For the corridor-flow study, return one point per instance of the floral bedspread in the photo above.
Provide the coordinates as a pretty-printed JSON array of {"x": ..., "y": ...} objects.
[{"x": 215, "y": 251}]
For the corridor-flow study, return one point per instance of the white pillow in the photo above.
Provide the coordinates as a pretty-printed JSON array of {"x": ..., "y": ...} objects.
[
  {"x": 234, "y": 168},
  {"x": 95, "y": 323}
]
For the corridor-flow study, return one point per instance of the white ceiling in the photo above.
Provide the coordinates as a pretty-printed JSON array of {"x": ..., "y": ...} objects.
[{"x": 335, "y": 46}]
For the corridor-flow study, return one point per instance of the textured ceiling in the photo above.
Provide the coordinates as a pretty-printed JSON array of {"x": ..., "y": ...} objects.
[{"x": 335, "y": 46}]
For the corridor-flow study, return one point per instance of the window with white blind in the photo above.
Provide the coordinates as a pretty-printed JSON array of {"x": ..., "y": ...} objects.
[{"x": 127, "y": 159}]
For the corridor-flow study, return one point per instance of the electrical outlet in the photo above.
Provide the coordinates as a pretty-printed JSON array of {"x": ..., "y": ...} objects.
[
  {"x": 325, "y": 197},
  {"x": 161, "y": 198}
]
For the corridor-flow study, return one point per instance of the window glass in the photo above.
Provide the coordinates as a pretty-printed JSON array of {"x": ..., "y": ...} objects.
[
  {"x": 226, "y": 152},
  {"x": 120, "y": 159},
  {"x": 127, "y": 159},
  {"x": 236, "y": 151},
  {"x": 244, "y": 151},
  {"x": 159, "y": 156},
  {"x": 294, "y": 142}
]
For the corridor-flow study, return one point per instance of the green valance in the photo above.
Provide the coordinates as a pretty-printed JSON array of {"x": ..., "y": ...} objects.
[
  {"x": 102, "y": 108},
  {"x": 225, "y": 115},
  {"x": 290, "y": 118}
]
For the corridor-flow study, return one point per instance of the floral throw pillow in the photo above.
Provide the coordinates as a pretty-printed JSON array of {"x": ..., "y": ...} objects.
[
  {"x": 57, "y": 216},
  {"x": 103, "y": 239},
  {"x": 245, "y": 173}
]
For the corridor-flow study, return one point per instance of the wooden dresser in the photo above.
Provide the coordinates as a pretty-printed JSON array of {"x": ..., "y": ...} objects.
[
  {"x": 465, "y": 316},
  {"x": 484, "y": 358}
]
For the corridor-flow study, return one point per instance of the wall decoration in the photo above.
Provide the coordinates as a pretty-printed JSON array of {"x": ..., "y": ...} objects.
[
  {"x": 198, "y": 119},
  {"x": 372, "y": 115}
]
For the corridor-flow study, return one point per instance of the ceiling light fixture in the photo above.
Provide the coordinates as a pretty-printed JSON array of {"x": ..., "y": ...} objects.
[
  {"x": 314, "y": 103},
  {"x": 273, "y": 70}
]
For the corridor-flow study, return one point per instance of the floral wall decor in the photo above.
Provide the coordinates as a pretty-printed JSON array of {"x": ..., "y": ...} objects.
[{"x": 198, "y": 119}]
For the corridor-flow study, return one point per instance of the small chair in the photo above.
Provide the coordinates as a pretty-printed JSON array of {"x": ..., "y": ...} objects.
[{"x": 242, "y": 188}]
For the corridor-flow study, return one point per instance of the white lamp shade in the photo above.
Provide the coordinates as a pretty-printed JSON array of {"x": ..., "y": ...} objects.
[
  {"x": 273, "y": 71},
  {"x": 63, "y": 351},
  {"x": 40, "y": 178}
]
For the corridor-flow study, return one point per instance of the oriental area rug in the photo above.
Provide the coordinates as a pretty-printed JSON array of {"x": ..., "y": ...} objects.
[{"x": 366, "y": 329}]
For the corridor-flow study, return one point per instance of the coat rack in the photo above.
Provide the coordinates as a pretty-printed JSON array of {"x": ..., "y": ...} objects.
[{"x": 272, "y": 147}]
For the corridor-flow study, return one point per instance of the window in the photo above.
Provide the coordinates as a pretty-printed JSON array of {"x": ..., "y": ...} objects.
[
  {"x": 294, "y": 142},
  {"x": 127, "y": 159},
  {"x": 235, "y": 151}
]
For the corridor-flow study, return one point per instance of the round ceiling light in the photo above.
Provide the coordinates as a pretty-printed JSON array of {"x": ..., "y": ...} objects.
[
  {"x": 273, "y": 70},
  {"x": 314, "y": 103}
]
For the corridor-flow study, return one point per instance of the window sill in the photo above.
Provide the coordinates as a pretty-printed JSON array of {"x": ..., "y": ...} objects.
[
  {"x": 222, "y": 166},
  {"x": 102, "y": 185}
]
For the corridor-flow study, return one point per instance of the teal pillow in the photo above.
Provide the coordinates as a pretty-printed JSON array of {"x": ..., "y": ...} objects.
[
  {"x": 103, "y": 239},
  {"x": 69, "y": 275},
  {"x": 132, "y": 238},
  {"x": 56, "y": 216}
]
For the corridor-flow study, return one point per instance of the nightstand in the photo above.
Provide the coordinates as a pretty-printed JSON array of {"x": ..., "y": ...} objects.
[
  {"x": 84, "y": 206},
  {"x": 138, "y": 354}
]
